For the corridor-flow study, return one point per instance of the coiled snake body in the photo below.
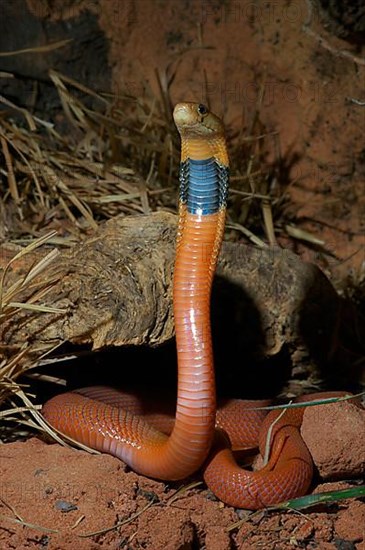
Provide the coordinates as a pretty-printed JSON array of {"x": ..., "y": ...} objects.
[{"x": 90, "y": 415}]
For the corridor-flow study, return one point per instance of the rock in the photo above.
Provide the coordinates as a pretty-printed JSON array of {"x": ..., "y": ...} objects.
[
  {"x": 334, "y": 434},
  {"x": 350, "y": 524}
]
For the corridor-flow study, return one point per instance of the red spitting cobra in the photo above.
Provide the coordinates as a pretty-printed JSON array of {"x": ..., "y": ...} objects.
[{"x": 91, "y": 416}]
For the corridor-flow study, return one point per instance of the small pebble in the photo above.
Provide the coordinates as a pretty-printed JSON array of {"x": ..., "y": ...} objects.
[{"x": 65, "y": 506}]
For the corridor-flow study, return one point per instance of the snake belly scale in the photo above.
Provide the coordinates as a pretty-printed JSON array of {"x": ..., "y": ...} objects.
[{"x": 193, "y": 441}]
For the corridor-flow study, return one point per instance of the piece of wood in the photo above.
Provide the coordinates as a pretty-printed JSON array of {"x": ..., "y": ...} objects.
[{"x": 117, "y": 289}]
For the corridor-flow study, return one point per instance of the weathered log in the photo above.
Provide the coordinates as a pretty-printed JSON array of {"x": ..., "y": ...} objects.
[{"x": 116, "y": 288}]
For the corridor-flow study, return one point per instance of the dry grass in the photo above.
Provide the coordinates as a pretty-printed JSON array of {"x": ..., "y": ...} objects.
[
  {"x": 56, "y": 184},
  {"x": 88, "y": 177},
  {"x": 16, "y": 360}
]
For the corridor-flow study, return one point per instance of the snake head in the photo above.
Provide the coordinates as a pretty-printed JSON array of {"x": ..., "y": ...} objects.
[
  {"x": 195, "y": 119},
  {"x": 202, "y": 133}
]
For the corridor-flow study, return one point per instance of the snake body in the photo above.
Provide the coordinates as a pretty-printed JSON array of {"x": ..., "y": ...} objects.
[
  {"x": 91, "y": 417},
  {"x": 203, "y": 190}
]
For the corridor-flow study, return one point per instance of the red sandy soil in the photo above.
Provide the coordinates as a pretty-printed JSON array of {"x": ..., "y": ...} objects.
[
  {"x": 77, "y": 494},
  {"x": 59, "y": 498}
]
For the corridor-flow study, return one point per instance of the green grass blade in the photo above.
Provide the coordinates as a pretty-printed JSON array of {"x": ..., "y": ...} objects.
[{"x": 330, "y": 496}]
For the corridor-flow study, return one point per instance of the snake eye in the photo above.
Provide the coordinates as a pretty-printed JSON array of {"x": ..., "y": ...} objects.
[{"x": 202, "y": 109}]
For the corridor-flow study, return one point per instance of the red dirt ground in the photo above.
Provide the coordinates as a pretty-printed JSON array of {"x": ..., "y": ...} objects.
[
  {"x": 68, "y": 499},
  {"x": 67, "y": 496}
]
